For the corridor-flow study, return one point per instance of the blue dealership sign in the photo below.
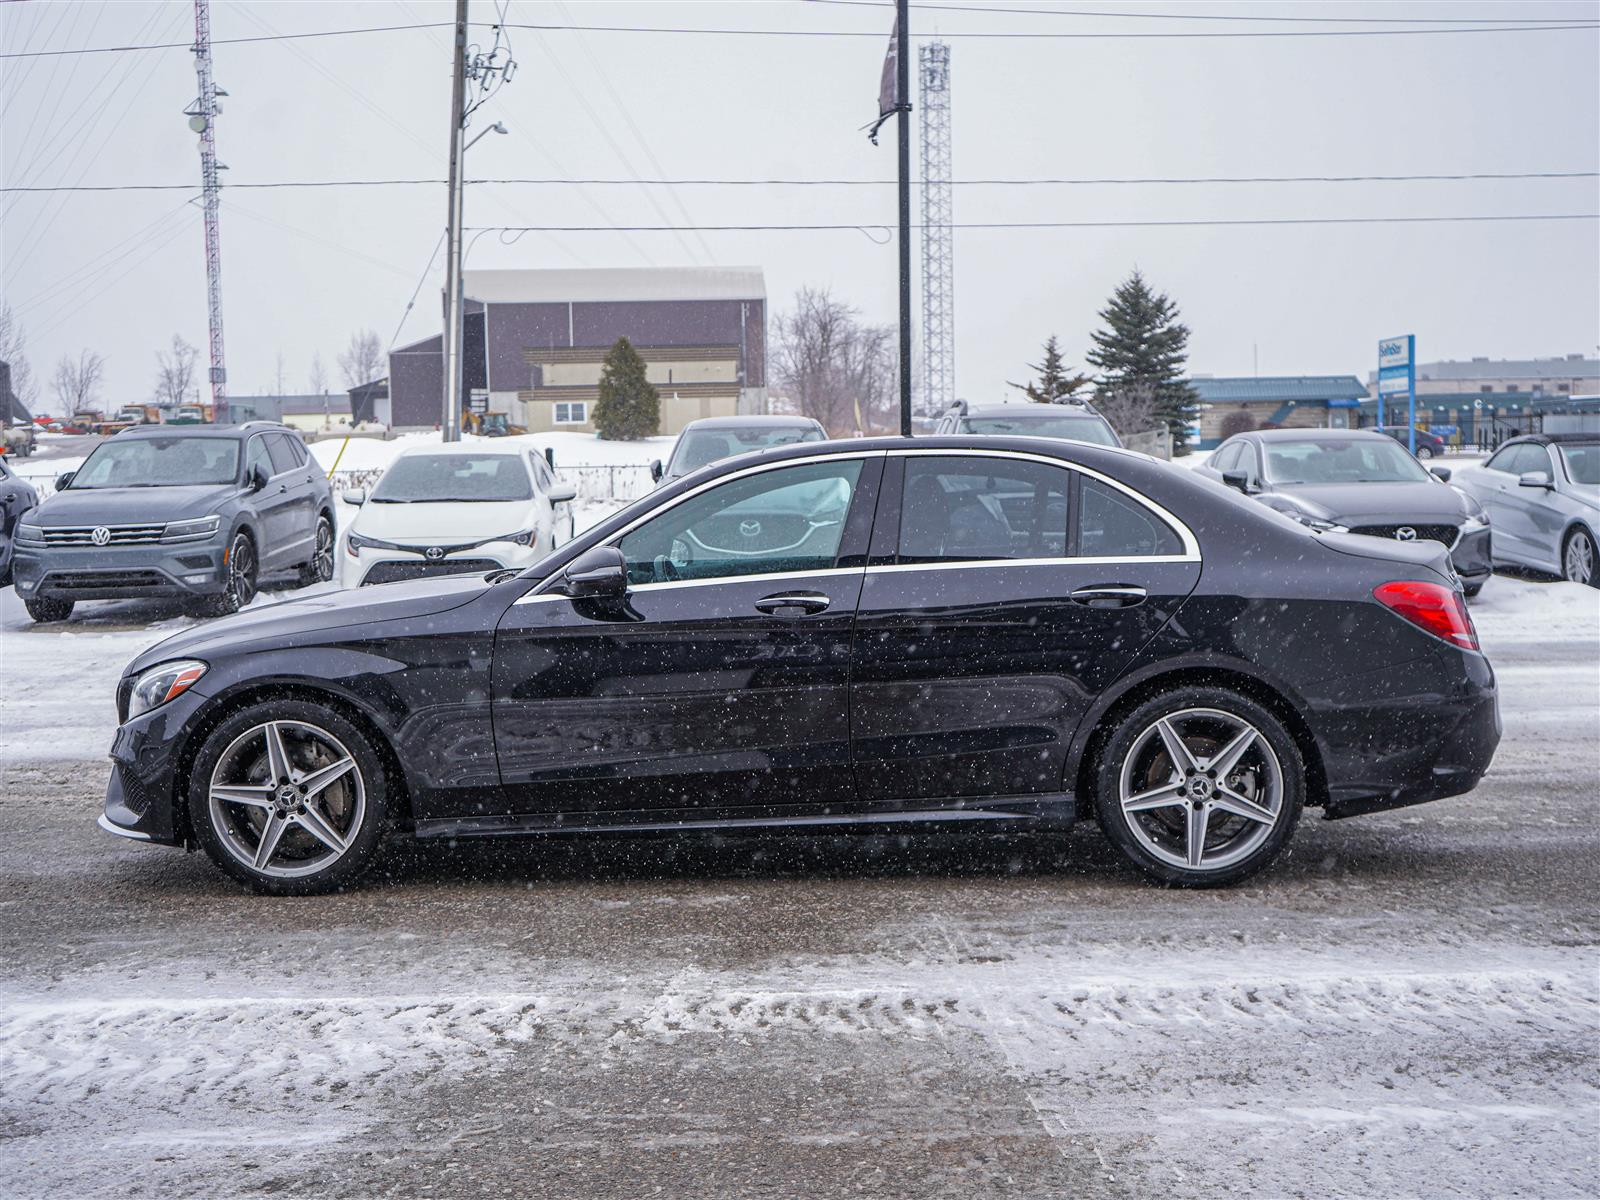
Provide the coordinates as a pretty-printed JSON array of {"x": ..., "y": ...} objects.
[{"x": 1397, "y": 373}]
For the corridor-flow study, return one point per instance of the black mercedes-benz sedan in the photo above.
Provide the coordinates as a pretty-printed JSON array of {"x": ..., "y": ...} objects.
[
  {"x": 1000, "y": 632},
  {"x": 1357, "y": 481}
]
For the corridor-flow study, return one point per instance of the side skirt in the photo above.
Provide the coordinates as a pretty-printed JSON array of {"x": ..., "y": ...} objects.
[{"x": 1054, "y": 810}]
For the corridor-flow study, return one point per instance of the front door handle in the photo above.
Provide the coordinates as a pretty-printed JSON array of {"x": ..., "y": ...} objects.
[
  {"x": 1109, "y": 595},
  {"x": 793, "y": 604}
]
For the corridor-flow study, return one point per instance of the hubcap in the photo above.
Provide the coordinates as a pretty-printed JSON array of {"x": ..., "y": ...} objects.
[
  {"x": 323, "y": 562},
  {"x": 287, "y": 799},
  {"x": 241, "y": 571},
  {"x": 1580, "y": 559},
  {"x": 1201, "y": 789}
]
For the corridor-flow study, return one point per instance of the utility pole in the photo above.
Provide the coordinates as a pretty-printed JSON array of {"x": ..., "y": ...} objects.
[
  {"x": 451, "y": 423},
  {"x": 903, "y": 125},
  {"x": 938, "y": 249},
  {"x": 202, "y": 116}
]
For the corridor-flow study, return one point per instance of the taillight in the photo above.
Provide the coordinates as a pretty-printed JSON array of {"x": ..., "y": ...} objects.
[{"x": 1440, "y": 610}]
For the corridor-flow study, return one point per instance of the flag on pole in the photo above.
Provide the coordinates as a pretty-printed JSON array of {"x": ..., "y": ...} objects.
[{"x": 888, "y": 84}]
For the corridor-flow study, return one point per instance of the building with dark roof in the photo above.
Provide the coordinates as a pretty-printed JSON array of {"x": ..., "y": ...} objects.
[
  {"x": 535, "y": 342},
  {"x": 1275, "y": 402}
]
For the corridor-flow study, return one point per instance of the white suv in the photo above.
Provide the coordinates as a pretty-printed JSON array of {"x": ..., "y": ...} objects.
[{"x": 455, "y": 509}]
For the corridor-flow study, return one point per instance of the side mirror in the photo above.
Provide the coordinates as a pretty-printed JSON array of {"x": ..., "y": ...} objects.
[
  {"x": 598, "y": 571},
  {"x": 258, "y": 479},
  {"x": 1442, "y": 473},
  {"x": 1239, "y": 480},
  {"x": 64, "y": 480},
  {"x": 1535, "y": 479},
  {"x": 354, "y": 495},
  {"x": 561, "y": 493},
  {"x": 656, "y": 470}
]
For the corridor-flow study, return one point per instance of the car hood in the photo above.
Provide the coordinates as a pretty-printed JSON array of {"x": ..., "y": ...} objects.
[
  {"x": 355, "y": 609},
  {"x": 120, "y": 506},
  {"x": 1377, "y": 503},
  {"x": 427, "y": 524}
]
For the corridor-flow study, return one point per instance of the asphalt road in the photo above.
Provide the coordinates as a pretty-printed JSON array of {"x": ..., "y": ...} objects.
[{"x": 1406, "y": 1006}]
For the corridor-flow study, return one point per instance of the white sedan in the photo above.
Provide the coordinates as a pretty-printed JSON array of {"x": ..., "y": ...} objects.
[{"x": 454, "y": 509}]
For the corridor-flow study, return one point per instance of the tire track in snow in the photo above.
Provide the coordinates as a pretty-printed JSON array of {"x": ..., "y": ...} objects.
[{"x": 308, "y": 1049}]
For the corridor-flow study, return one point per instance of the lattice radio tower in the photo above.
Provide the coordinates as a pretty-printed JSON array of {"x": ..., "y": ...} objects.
[
  {"x": 938, "y": 250},
  {"x": 202, "y": 116}
]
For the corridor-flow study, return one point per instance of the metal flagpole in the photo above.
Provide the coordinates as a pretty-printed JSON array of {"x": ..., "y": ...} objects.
[{"x": 903, "y": 122}]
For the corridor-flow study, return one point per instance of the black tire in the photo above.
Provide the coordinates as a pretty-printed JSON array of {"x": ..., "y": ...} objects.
[
  {"x": 320, "y": 568},
  {"x": 241, "y": 585},
  {"x": 1580, "y": 562},
  {"x": 44, "y": 610},
  {"x": 364, "y": 836},
  {"x": 1135, "y": 752},
  {"x": 1470, "y": 590}
]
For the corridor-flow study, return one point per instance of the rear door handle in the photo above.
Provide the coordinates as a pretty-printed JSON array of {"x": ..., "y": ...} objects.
[
  {"x": 793, "y": 604},
  {"x": 1109, "y": 595}
]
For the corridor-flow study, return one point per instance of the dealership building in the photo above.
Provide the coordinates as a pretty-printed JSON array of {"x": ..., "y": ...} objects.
[
  {"x": 1276, "y": 402},
  {"x": 535, "y": 341}
]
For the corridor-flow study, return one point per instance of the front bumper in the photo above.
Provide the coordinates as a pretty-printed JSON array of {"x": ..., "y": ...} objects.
[
  {"x": 1470, "y": 555},
  {"x": 141, "y": 793},
  {"x": 120, "y": 572},
  {"x": 375, "y": 566}
]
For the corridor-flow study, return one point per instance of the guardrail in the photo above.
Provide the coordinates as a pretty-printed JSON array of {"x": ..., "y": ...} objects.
[{"x": 1157, "y": 442}]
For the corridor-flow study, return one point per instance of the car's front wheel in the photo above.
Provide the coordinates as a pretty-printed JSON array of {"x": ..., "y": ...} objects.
[
  {"x": 239, "y": 582},
  {"x": 1200, "y": 787},
  {"x": 1579, "y": 561},
  {"x": 290, "y": 798},
  {"x": 43, "y": 610},
  {"x": 320, "y": 568}
]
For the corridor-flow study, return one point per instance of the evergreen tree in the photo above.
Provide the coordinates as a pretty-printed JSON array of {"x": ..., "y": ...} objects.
[
  {"x": 1145, "y": 343},
  {"x": 629, "y": 407},
  {"x": 1056, "y": 382}
]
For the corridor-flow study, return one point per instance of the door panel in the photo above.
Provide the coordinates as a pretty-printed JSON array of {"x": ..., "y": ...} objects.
[
  {"x": 713, "y": 686},
  {"x": 970, "y": 678}
]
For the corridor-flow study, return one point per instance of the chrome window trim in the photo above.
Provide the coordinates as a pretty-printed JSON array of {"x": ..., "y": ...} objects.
[{"x": 1075, "y": 561}]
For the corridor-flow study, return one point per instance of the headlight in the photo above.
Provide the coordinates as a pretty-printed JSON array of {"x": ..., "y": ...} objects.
[
  {"x": 1311, "y": 522},
  {"x": 29, "y": 534},
  {"x": 160, "y": 684},
  {"x": 1477, "y": 516},
  {"x": 354, "y": 543},
  {"x": 526, "y": 538},
  {"x": 191, "y": 531}
]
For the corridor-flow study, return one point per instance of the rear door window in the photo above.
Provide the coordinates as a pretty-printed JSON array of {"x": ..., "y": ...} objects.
[
  {"x": 283, "y": 456},
  {"x": 971, "y": 509}
]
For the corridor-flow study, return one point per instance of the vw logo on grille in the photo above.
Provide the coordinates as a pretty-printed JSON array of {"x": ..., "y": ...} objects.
[
  {"x": 434, "y": 553},
  {"x": 1405, "y": 534},
  {"x": 100, "y": 536},
  {"x": 750, "y": 528}
]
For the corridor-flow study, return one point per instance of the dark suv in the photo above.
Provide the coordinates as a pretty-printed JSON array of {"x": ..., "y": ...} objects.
[{"x": 200, "y": 512}]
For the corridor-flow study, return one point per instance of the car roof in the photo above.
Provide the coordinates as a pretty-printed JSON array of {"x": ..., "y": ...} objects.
[
  {"x": 1321, "y": 435},
  {"x": 753, "y": 422},
  {"x": 138, "y": 432},
  {"x": 1031, "y": 410},
  {"x": 1557, "y": 439},
  {"x": 475, "y": 449}
]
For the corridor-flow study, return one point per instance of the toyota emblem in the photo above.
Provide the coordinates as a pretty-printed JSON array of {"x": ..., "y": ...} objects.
[
  {"x": 100, "y": 536},
  {"x": 1405, "y": 534},
  {"x": 750, "y": 528},
  {"x": 434, "y": 553}
]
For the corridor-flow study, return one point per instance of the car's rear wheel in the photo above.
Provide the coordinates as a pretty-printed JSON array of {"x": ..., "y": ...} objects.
[
  {"x": 320, "y": 568},
  {"x": 1424, "y": 451},
  {"x": 1579, "y": 561},
  {"x": 43, "y": 610},
  {"x": 289, "y": 798},
  {"x": 1200, "y": 787}
]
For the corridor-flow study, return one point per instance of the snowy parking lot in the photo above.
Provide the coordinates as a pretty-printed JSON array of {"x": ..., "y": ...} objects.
[{"x": 1407, "y": 1005}]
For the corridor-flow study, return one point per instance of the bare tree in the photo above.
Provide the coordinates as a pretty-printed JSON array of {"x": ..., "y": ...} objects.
[
  {"x": 319, "y": 375},
  {"x": 175, "y": 370},
  {"x": 362, "y": 360},
  {"x": 14, "y": 353},
  {"x": 77, "y": 382},
  {"x": 835, "y": 368},
  {"x": 1130, "y": 408},
  {"x": 280, "y": 377}
]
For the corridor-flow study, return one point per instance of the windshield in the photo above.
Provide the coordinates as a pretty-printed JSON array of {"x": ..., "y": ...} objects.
[
  {"x": 1078, "y": 428},
  {"x": 1338, "y": 460},
  {"x": 160, "y": 462},
  {"x": 454, "y": 478},
  {"x": 697, "y": 447},
  {"x": 1583, "y": 463}
]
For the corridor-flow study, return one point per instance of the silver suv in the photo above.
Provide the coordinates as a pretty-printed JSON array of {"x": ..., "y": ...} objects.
[{"x": 1075, "y": 421}]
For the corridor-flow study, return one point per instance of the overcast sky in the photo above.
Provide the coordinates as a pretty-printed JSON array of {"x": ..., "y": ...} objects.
[{"x": 120, "y": 272}]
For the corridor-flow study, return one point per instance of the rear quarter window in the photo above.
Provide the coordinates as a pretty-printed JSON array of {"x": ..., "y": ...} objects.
[{"x": 1112, "y": 524}]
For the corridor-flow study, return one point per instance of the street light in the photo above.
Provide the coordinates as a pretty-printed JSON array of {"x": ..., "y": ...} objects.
[{"x": 497, "y": 127}]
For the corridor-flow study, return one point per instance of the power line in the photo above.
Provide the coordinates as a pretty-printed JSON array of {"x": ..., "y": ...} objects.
[
  {"x": 1085, "y": 181},
  {"x": 988, "y": 10},
  {"x": 233, "y": 41},
  {"x": 866, "y": 225},
  {"x": 1055, "y": 35}
]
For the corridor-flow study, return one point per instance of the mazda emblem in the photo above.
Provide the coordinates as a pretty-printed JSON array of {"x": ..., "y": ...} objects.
[
  {"x": 100, "y": 536},
  {"x": 750, "y": 528},
  {"x": 1405, "y": 534},
  {"x": 435, "y": 553}
]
